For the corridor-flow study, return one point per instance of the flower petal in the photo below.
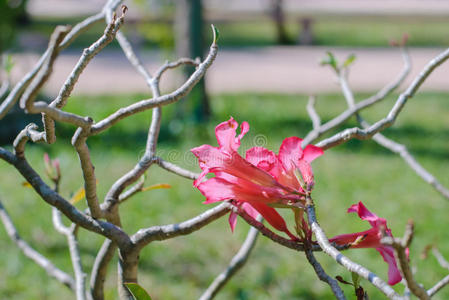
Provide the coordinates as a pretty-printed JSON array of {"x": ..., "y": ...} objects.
[
  {"x": 273, "y": 217},
  {"x": 366, "y": 215},
  {"x": 263, "y": 159},
  {"x": 232, "y": 220},
  {"x": 394, "y": 276},
  {"x": 216, "y": 189},
  {"x": 226, "y": 134},
  {"x": 290, "y": 153},
  {"x": 311, "y": 152}
]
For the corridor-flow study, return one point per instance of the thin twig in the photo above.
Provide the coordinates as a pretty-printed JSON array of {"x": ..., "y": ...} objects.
[
  {"x": 344, "y": 116},
  {"x": 400, "y": 246},
  {"x": 316, "y": 121},
  {"x": 35, "y": 256},
  {"x": 100, "y": 269},
  {"x": 389, "y": 120},
  {"x": 438, "y": 286},
  {"x": 159, "y": 233},
  {"x": 323, "y": 276},
  {"x": 236, "y": 263},
  {"x": 71, "y": 234},
  {"x": 390, "y": 144}
]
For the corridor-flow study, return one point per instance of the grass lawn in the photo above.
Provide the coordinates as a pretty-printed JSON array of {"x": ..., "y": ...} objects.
[{"x": 183, "y": 267}]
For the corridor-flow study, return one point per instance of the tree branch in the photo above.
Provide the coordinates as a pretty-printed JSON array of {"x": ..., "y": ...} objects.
[
  {"x": 386, "y": 122},
  {"x": 32, "y": 254},
  {"x": 236, "y": 263},
  {"x": 159, "y": 233},
  {"x": 400, "y": 246}
]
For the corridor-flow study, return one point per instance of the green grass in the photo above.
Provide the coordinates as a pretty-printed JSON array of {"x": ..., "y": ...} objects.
[
  {"x": 354, "y": 32},
  {"x": 183, "y": 267}
]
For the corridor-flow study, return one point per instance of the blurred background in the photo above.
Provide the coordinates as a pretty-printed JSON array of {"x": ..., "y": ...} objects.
[{"x": 268, "y": 65}]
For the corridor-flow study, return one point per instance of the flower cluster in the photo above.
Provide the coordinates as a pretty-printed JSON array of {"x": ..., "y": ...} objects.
[
  {"x": 260, "y": 179},
  {"x": 264, "y": 180}
]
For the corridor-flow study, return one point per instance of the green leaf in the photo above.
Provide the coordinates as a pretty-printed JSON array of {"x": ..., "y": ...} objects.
[
  {"x": 330, "y": 60},
  {"x": 349, "y": 60},
  {"x": 138, "y": 292},
  {"x": 8, "y": 63},
  {"x": 216, "y": 33},
  {"x": 355, "y": 280}
]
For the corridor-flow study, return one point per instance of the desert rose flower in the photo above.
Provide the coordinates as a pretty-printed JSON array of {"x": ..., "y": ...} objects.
[
  {"x": 259, "y": 180},
  {"x": 371, "y": 239}
]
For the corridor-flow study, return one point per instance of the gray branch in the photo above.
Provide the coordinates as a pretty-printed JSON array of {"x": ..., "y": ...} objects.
[
  {"x": 71, "y": 236},
  {"x": 100, "y": 269},
  {"x": 159, "y": 233},
  {"x": 390, "y": 144},
  {"x": 236, "y": 263},
  {"x": 400, "y": 246},
  {"x": 323, "y": 276},
  {"x": 344, "y": 116},
  {"x": 386, "y": 122},
  {"x": 32, "y": 254}
]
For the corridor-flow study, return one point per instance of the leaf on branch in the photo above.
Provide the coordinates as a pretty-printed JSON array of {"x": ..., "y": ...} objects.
[
  {"x": 156, "y": 186},
  {"x": 8, "y": 63},
  {"x": 351, "y": 58},
  {"x": 330, "y": 60},
  {"x": 216, "y": 33},
  {"x": 78, "y": 196},
  {"x": 137, "y": 291},
  {"x": 26, "y": 184}
]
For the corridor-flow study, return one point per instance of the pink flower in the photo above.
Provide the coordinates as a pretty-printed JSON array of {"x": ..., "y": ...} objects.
[
  {"x": 371, "y": 239},
  {"x": 263, "y": 178}
]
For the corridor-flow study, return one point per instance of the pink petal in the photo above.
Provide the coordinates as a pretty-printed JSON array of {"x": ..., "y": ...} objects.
[
  {"x": 366, "y": 215},
  {"x": 290, "y": 153},
  {"x": 273, "y": 217},
  {"x": 311, "y": 152},
  {"x": 216, "y": 189},
  {"x": 250, "y": 210},
  {"x": 263, "y": 159},
  {"x": 371, "y": 239},
  {"x": 394, "y": 276},
  {"x": 226, "y": 134},
  {"x": 306, "y": 172},
  {"x": 232, "y": 220}
]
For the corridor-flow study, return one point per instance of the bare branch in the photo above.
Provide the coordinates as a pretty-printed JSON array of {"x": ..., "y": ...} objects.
[
  {"x": 440, "y": 258},
  {"x": 28, "y": 133},
  {"x": 316, "y": 121},
  {"x": 437, "y": 287},
  {"x": 344, "y": 116},
  {"x": 323, "y": 276},
  {"x": 35, "y": 256},
  {"x": 26, "y": 101},
  {"x": 158, "y": 101},
  {"x": 175, "y": 169},
  {"x": 70, "y": 233},
  {"x": 172, "y": 65},
  {"x": 159, "y": 233},
  {"x": 100, "y": 269},
  {"x": 386, "y": 122},
  {"x": 390, "y": 144},
  {"x": 90, "y": 181},
  {"x": 72, "y": 79},
  {"x": 400, "y": 246},
  {"x": 236, "y": 263},
  {"x": 51, "y": 197}
]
